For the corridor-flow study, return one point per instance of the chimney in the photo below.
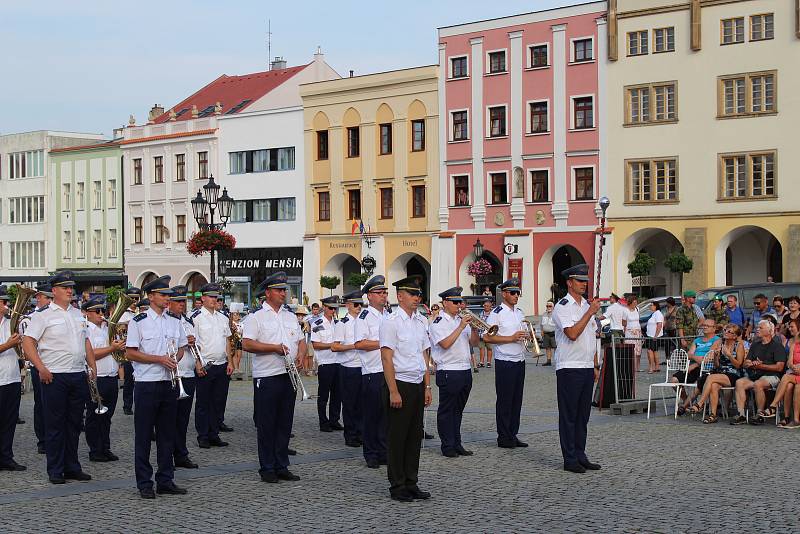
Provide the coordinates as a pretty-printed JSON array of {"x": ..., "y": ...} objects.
[
  {"x": 194, "y": 111},
  {"x": 155, "y": 112},
  {"x": 218, "y": 108},
  {"x": 131, "y": 121},
  {"x": 318, "y": 56},
  {"x": 278, "y": 63},
  {"x": 351, "y": 73}
]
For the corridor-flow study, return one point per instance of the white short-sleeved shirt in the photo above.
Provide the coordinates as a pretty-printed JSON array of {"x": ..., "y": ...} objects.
[
  {"x": 61, "y": 338},
  {"x": 578, "y": 354},
  {"x": 616, "y": 313},
  {"x": 186, "y": 365},
  {"x": 652, "y": 324},
  {"x": 212, "y": 330},
  {"x": 153, "y": 333},
  {"x": 322, "y": 332},
  {"x": 632, "y": 318},
  {"x": 457, "y": 357},
  {"x": 9, "y": 368},
  {"x": 344, "y": 333},
  {"x": 269, "y": 326},
  {"x": 98, "y": 337},
  {"x": 509, "y": 322},
  {"x": 407, "y": 336},
  {"x": 368, "y": 326}
]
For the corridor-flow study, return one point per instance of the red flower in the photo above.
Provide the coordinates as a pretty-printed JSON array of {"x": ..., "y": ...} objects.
[
  {"x": 208, "y": 240},
  {"x": 479, "y": 267}
]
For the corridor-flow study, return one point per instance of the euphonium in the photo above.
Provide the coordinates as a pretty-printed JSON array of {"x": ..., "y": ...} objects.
[
  {"x": 530, "y": 343},
  {"x": 479, "y": 323},
  {"x": 117, "y": 330},
  {"x": 24, "y": 295}
]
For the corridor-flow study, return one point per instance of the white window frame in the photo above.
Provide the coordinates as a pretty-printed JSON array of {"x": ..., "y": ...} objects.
[
  {"x": 97, "y": 244},
  {"x": 574, "y": 189},
  {"x": 112, "y": 243},
  {"x": 452, "y": 201},
  {"x": 529, "y": 185},
  {"x": 66, "y": 245},
  {"x": 80, "y": 199},
  {"x": 450, "y": 66},
  {"x": 112, "y": 193},
  {"x": 529, "y": 61},
  {"x": 80, "y": 245},
  {"x": 528, "y": 124},
  {"x": 487, "y": 133},
  {"x": 572, "y": 50},
  {"x": 450, "y": 138},
  {"x": 66, "y": 200},
  {"x": 97, "y": 194},
  {"x": 487, "y": 72},
  {"x": 665, "y": 29},
  {"x": 489, "y": 188},
  {"x": 572, "y": 112}
]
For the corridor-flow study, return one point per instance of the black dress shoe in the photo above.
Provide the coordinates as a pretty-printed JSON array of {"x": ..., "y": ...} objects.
[
  {"x": 463, "y": 452},
  {"x": 577, "y": 468},
  {"x": 285, "y": 474},
  {"x": 384, "y": 461},
  {"x": 186, "y": 463},
  {"x": 111, "y": 456},
  {"x": 129, "y": 411},
  {"x": 57, "y": 480},
  {"x": 11, "y": 465},
  {"x": 40, "y": 449},
  {"x": 428, "y": 436},
  {"x": 506, "y": 444},
  {"x": 80, "y": 475},
  {"x": 217, "y": 443},
  {"x": 325, "y": 427},
  {"x": 147, "y": 493},
  {"x": 402, "y": 496},
  {"x": 291, "y": 452},
  {"x": 20, "y": 421},
  {"x": 98, "y": 457},
  {"x": 291, "y": 435},
  {"x": 336, "y": 426},
  {"x": 225, "y": 428},
  {"x": 353, "y": 443},
  {"x": 521, "y": 443},
  {"x": 589, "y": 466},
  {"x": 170, "y": 489},
  {"x": 373, "y": 464},
  {"x": 450, "y": 453},
  {"x": 203, "y": 444},
  {"x": 419, "y": 494},
  {"x": 270, "y": 477}
]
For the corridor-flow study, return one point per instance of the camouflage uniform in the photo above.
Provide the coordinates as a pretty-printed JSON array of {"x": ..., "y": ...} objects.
[
  {"x": 719, "y": 316},
  {"x": 688, "y": 320}
]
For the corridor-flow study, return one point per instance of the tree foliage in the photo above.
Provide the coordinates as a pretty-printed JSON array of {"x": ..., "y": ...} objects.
[
  {"x": 641, "y": 265},
  {"x": 356, "y": 279},
  {"x": 330, "y": 282},
  {"x": 678, "y": 262}
]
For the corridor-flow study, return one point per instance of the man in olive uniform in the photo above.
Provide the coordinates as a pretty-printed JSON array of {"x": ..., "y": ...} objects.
[{"x": 687, "y": 318}]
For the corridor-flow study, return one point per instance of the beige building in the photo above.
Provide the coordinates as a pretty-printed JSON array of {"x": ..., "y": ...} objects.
[
  {"x": 702, "y": 117},
  {"x": 371, "y": 159}
]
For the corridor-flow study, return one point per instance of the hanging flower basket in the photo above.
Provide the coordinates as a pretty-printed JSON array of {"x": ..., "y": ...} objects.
[
  {"x": 208, "y": 240},
  {"x": 479, "y": 267}
]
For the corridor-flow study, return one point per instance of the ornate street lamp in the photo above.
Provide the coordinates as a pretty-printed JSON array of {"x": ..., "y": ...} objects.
[
  {"x": 477, "y": 248},
  {"x": 205, "y": 204}
]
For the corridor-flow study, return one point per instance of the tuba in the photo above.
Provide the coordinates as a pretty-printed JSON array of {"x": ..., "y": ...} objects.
[
  {"x": 24, "y": 295},
  {"x": 117, "y": 330},
  {"x": 478, "y": 323}
]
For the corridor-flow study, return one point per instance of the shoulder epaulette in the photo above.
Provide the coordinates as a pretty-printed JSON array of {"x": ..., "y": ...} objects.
[
  {"x": 497, "y": 309},
  {"x": 437, "y": 320},
  {"x": 43, "y": 308},
  {"x": 173, "y": 315},
  {"x": 287, "y": 307},
  {"x": 318, "y": 321},
  {"x": 563, "y": 301},
  {"x": 195, "y": 314},
  {"x": 364, "y": 314},
  {"x": 188, "y": 319},
  {"x": 140, "y": 317},
  {"x": 344, "y": 320}
]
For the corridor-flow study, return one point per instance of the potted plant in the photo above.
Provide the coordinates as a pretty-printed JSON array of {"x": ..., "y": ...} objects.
[{"x": 208, "y": 240}]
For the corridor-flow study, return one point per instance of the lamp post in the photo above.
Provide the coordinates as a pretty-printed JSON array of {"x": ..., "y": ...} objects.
[
  {"x": 205, "y": 205},
  {"x": 477, "y": 249}
]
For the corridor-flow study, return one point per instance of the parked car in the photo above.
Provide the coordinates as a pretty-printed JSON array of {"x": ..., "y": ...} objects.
[
  {"x": 745, "y": 294},
  {"x": 644, "y": 308}
]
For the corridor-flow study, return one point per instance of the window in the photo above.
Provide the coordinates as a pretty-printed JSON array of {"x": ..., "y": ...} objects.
[
  {"x": 582, "y": 50},
  {"x": 458, "y": 67},
  {"x": 584, "y": 183},
  {"x": 324, "y": 203},
  {"x": 418, "y": 135},
  {"x": 497, "y": 62},
  {"x": 651, "y": 103},
  {"x": 28, "y": 164},
  {"x": 180, "y": 228},
  {"x": 264, "y": 160},
  {"x": 461, "y": 190},
  {"x": 322, "y": 145},
  {"x": 748, "y": 94},
  {"x": 418, "y": 201},
  {"x": 158, "y": 169},
  {"x": 112, "y": 243},
  {"x": 747, "y": 176},
  {"x": 387, "y": 202},
  {"x": 353, "y": 142},
  {"x": 664, "y": 40},
  {"x": 499, "y": 187},
  {"x": 138, "y": 230},
  {"x": 256, "y": 210},
  {"x": 386, "y": 139},
  {"x": 637, "y": 43},
  {"x": 97, "y": 189},
  {"x": 202, "y": 165},
  {"x": 459, "y": 120},
  {"x": 80, "y": 196},
  {"x": 97, "y": 244},
  {"x": 732, "y": 30},
  {"x": 112, "y": 194},
  {"x": 354, "y": 204},
  {"x": 583, "y": 112},
  {"x": 762, "y": 27},
  {"x": 26, "y": 254},
  {"x": 540, "y": 186},
  {"x": 180, "y": 167},
  {"x": 137, "y": 171},
  {"x": 652, "y": 180},
  {"x": 66, "y": 197},
  {"x": 286, "y": 209},
  {"x": 539, "y": 117},
  {"x": 239, "y": 212},
  {"x": 261, "y": 210},
  {"x": 80, "y": 245},
  {"x": 497, "y": 121},
  {"x": 66, "y": 245},
  {"x": 158, "y": 229},
  {"x": 24, "y": 210},
  {"x": 538, "y": 56},
  {"x": 237, "y": 162}
]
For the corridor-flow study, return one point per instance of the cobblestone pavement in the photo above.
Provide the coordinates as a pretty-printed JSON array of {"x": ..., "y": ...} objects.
[{"x": 657, "y": 476}]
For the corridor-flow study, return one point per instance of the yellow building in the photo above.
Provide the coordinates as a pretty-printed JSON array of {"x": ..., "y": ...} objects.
[
  {"x": 702, "y": 121},
  {"x": 371, "y": 159}
]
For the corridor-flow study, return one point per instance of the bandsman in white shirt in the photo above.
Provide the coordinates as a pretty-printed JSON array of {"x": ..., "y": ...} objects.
[
  {"x": 272, "y": 334},
  {"x": 576, "y": 367},
  {"x": 404, "y": 341},
  {"x": 350, "y": 371},
  {"x": 327, "y": 367},
  {"x": 186, "y": 370},
  {"x": 43, "y": 298},
  {"x": 212, "y": 331},
  {"x": 452, "y": 339},
  {"x": 56, "y": 343},
  {"x": 155, "y": 344},
  {"x": 366, "y": 334},
  {"x": 98, "y": 426},
  {"x": 127, "y": 368},
  {"x": 10, "y": 390},
  {"x": 509, "y": 364}
]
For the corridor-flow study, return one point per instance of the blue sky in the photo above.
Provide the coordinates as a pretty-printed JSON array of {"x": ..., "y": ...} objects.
[{"x": 85, "y": 65}]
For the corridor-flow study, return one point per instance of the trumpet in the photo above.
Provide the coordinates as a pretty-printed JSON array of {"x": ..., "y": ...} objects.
[
  {"x": 479, "y": 323},
  {"x": 530, "y": 343},
  {"x": 294, "y": 375},
  {"x": 94, "y": 393},
  {"x": 172, "y": 354},
  {"x": 196, "y": 349}
]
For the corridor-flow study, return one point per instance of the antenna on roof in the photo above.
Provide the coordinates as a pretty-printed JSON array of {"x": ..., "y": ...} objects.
[{"x": 269, "y": 41}]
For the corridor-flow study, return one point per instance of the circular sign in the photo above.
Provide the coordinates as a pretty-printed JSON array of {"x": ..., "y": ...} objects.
[
  {"x": 368, "y": 262},
  {"x": 510, "y": 248}
]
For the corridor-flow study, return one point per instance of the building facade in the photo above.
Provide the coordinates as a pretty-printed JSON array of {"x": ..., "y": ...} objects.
[
  {"x": 371, "y": 156},
  {"x": 701, "y": 139},
  {"x": 28, "y": 213},
  {"x": 522, "y": 100},
  {"x": 87, "y": 185}
]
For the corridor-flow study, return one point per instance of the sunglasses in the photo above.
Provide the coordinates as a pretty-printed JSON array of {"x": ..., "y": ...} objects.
[
  {"x": 435, "y": 308},
  {"x": 356, "y": 304},
  {"x": 330, "y": 307},
  {"x": 380, "y": 292}
]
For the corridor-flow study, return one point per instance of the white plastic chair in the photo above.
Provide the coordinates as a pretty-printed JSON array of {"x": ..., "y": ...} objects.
[{"x": 678, "y": 361}]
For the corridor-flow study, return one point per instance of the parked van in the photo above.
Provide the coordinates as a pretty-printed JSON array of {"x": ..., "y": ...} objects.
[{"x": 746, "y": 293}]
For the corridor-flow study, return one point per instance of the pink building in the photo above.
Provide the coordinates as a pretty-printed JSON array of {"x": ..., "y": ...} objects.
[{"x": 520, "y": 130}]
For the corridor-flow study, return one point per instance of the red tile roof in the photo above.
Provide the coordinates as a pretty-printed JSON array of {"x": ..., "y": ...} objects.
[
  {"x": 167, "y": 136},
  {"x": 231, "y": 91}
]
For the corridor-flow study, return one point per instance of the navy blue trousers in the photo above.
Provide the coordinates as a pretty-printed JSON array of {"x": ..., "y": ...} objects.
[
  {"x": 454, "y": 388},
  {"x": 273, "y": 405},
  {"x": 63, "y": 402},
  {"x": 328, "y": 375},
  {"x": 574, "y": 389},
  {"x": 156, "y": 406},
  {"x": 405, "y": 435},
  {"x": 98, "y": 427},
  {"x": 127, "y": 386},
  {"x": 38, "y": 416},
  {"x": 209, "y": 409},
  {"x": 9, "y": 413},
  {"x": 375, "y": 422},
  {"x": 184, "y": 411},
  {"x": 224, "y": 403},
  {"x": 509, "y": 383},
  {"x": 350, "y": 386}
]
